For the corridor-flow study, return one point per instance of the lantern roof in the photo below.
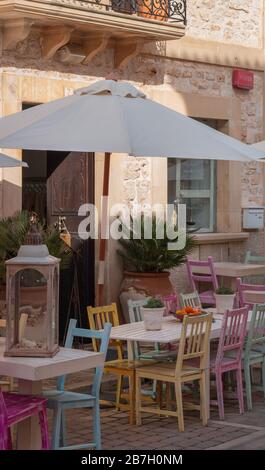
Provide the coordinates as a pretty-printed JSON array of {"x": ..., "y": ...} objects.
[{"x": 33, "y": 254}]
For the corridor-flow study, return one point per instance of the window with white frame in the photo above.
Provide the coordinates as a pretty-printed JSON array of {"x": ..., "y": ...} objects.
[{"x": 193, "y": 182}]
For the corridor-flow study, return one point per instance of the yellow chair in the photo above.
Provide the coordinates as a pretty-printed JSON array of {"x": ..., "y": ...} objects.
[
  {"x": 191, "y": 365},
  {"x": 7, "y": 383},
  {"x": 97, "y": 317}
]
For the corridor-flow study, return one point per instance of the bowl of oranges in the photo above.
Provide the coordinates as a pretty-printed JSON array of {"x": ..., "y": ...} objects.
[{"x": 180, "y": 314}]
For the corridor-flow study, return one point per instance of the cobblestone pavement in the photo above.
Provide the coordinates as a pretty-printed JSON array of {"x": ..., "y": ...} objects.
[{"x": 236, "y": 432}]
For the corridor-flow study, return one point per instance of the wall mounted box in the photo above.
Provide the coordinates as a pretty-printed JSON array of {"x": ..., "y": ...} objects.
[
  {"x": 253, "y": 217},
  {"x": 243, "y": 79}
]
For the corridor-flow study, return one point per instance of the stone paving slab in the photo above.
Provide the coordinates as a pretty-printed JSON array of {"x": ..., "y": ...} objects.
[
  {"x": 156, "y": 433},
  {"x": 245, "y": 431}
]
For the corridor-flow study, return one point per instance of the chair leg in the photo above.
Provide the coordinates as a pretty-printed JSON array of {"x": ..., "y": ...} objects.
[
  {"x": 63, "y": 430},
  {"x": 138, "y": 398},
  {"x": 45, "y": 443},
  {"x": 247, "y": 376},
  {"x": 168, "y": 395},
  {"x": 203, "y": 401},
  {"x": 178, "y": 392},
  {"x": 220, "y": 396},
  {"x": 96, "y": 426},
  {"x": 119, "y": 392},
  {"x": 159, "y": 394},
  {"x": 240, "y": 389},
  {"x": 56, "y": 428},
  {"x": 132, "y": 397},
  {"x": 154, "y": 389},
  {"x": 263, "y": 377},
  {"x": 9, "y": 440}
]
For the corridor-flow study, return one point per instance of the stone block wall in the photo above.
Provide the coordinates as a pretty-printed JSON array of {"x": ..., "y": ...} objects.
[{"x": 231, "y": 21}]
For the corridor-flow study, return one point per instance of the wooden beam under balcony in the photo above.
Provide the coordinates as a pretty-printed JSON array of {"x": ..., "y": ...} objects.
[
  {"x": 53, "y": 38},
  {"x": 125, "y": 51},
  {"x": 15, "y": 31},
  {"x": 93, "y": 46}
]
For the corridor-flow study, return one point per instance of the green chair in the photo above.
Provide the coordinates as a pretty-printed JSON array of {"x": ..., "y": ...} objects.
[
  {"x": 254, "y": 259},
  {"x": 254, "y": 350},
  {"x": 190, "y": 300}
]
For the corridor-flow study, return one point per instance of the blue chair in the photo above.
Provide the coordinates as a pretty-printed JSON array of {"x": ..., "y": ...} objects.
[{"x": 60, "y": 400}]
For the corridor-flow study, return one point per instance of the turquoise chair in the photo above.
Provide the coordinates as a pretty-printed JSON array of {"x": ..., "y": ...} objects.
[
  {"x": 60, "y": 400},
  {"x": 255, "y": 259},
  {"x": 254, "y": 350}
]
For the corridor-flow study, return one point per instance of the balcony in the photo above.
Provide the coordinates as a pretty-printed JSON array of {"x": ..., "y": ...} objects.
[{"x": 86, "y": 27}]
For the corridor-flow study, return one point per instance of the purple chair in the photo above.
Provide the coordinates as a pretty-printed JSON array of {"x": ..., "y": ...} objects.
[
  {"x": 171, "y": 303},
  {"x": 15, "y": 408},
  {"x": 206, "y": 297},
  {"x": 242, "y": 287},
  {"x": 229, "y": 354}
]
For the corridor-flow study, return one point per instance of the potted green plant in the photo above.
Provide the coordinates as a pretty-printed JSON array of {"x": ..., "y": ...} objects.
[
  {"x": 225, "y": 298},
  {"x": 152, "y": 313},
  {"x": 148, "y": 261}
]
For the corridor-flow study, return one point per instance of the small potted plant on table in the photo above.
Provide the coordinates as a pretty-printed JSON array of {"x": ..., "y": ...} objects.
[
  {"x": 225, "y": 298},
  {"x": 152, "y": 313}
]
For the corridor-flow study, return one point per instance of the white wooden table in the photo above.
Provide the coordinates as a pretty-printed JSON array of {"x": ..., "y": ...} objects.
[
  {"x": 30, "y": 373},
  {"x": 170, "y": 333},
  {"x": 232, "y": 270}
]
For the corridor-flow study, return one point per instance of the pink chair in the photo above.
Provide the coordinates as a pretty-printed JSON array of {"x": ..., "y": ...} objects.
[
  {"x": 15, "y": 408},
  {"x": 210, "y": 277},
  {"x": 229, "y": 354},
  {"x": 171, "y": 303},
  {"x": 241, "y": 288}
]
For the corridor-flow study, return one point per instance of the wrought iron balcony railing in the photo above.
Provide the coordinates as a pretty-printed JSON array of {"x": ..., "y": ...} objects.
[{"x": 161, "y": 10}]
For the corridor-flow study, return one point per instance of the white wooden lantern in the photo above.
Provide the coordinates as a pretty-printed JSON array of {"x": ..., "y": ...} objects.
[{"x": 32, "y": 288}]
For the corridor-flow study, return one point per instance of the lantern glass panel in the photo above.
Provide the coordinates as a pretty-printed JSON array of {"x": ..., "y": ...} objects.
[{"x": 29, "y": 296}]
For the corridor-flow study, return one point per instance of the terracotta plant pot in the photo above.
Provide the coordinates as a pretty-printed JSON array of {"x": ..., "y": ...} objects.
[
  {"x": 160, "y": 9},
  {"x": 224, "y": 302},
  {"x": 137, "y": 286},
  {"x": 152, "y": 318}
]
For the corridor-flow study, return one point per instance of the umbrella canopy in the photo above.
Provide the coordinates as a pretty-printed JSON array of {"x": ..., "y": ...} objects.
[
  {"x": 116, "y": 117},
  {"x": 260, "y": 146},
  {"x": 9, "y": 162}
]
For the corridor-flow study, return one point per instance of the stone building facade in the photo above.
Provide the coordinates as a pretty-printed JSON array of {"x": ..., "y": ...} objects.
[{"x": 192, "y": 75}]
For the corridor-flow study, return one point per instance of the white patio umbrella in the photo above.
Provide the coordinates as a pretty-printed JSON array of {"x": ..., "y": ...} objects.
[
  {"x": 260, "y": 146},
  {"x": 9, "y": 162},
  {"x": 116, "y": 117}
]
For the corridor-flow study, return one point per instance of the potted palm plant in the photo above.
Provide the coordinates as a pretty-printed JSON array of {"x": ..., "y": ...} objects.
[
  {"x": 148, "y": 261},
  {"x": 225, "y": 298},
  {"x": 152, "y": 313}
]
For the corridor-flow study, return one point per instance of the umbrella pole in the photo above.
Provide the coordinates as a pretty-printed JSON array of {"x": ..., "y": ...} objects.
[{"x": 102, "y": 237}]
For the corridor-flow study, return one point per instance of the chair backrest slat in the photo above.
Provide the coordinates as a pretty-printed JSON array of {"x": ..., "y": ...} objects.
[
  {"x": 256, "y": 331},
  {"x": 135, "y": 315},
  {"x": 190, "y": 300},
  {"x": 3, "y": 423},
  {"x": 233, "y": 333},
  {"x": 194, "y": 341},
  {"x": 255, "y": 259},
  {"x": 171, "y": 303},
  {"x": 98, "y": 316},
  {"x": 103, "y": 336},
  {"x": 242, "y": 287},
  {"x": 209, "y": 276}
]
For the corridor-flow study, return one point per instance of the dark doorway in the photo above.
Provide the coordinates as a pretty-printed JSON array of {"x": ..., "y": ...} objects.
[{"x": 57, "y": 184}]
